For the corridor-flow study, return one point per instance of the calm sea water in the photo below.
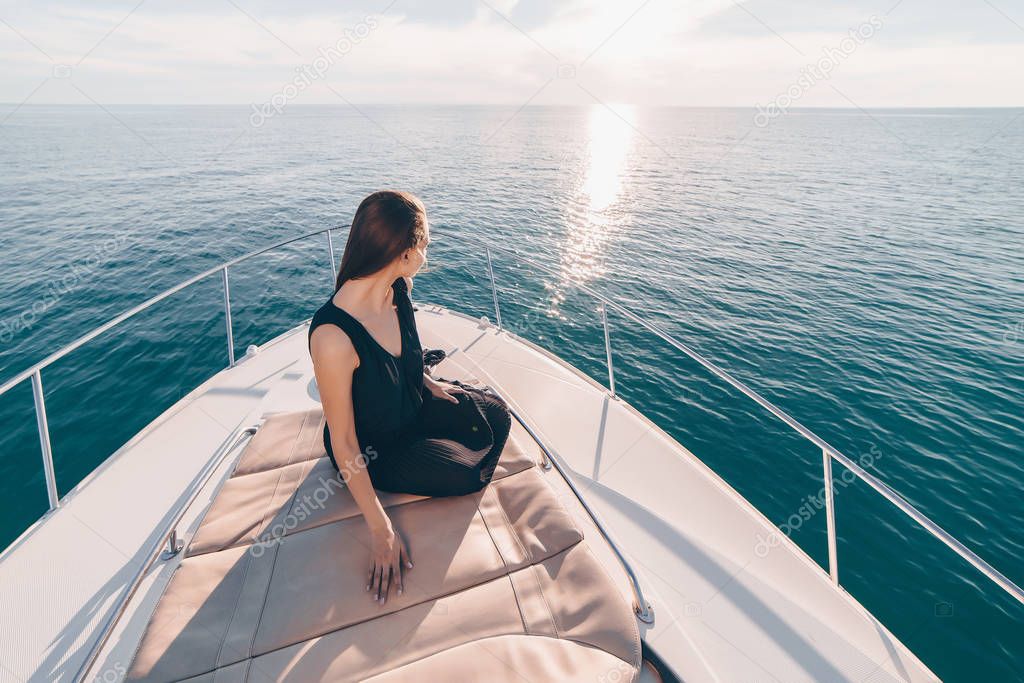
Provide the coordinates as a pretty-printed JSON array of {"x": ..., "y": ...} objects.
[{"x": 862, "y": 269}]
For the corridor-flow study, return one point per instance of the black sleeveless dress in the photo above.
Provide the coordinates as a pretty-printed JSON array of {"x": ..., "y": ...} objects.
[{"x": 413, "y": 442}]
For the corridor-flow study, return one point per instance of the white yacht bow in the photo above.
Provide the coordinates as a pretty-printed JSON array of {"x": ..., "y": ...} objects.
[{"x": 627, "y": 560}]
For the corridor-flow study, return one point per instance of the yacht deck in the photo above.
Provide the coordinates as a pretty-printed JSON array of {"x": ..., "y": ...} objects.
[{"x": 723, "y": 611}]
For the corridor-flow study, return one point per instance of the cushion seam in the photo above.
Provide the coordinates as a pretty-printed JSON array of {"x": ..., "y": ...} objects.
[
  {"x": 266, "y": 508},
  {"x": 311, "y": 445},
  {"x": 470, "y": 586},
  {"x": 234, "y": 613},
  {"x": 298, "y": 434},
  {"x": 261, "y": 541},
  {"x": 490, "y": 535},
  {"x": 258, "y": 540},
  {"x": 547, "y": 606},
  {"x": 638, "y": 650},
  {"x": 466, "y": 642},
  {"x": 307, "y": 469},
  {"x": 263, "y": 607},
  {"x": 502, "y": 635},
  {"x": 298, "y": 438},
  {"x": 515, "y": 595},
  {"x": 526, "y": 553}
]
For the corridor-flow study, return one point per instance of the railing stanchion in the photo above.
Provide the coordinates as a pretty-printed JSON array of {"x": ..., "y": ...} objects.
[
  {"x": 830, "y": 518},
  {"x": 330, "y": 248},
  {"x": 174, "y": 545},
  {"x": 227, "y": 317},
  {"x": 871, "y": 480},
  {"x": 44, "y": 440},
  {"x": 494, "y": 289},
  {"x": 608, "y": 351},
  {"x": 643, "y": 610}
]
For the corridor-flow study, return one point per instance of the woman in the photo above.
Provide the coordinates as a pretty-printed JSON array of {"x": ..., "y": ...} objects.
[{"x": 391, "y": 426}]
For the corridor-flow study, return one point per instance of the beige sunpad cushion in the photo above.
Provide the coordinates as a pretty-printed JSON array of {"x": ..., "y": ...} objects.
[
  {"x": 259, "y": 506},
  {"x": 284, "y": 439},
  {"x": 502, "y": 588},
  {"x": 547, "y": 622}
]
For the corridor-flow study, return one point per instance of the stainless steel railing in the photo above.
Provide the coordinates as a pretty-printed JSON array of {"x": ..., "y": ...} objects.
[
  {"x": 641, "y": 607},
  {"x": 829, "y": 453},
  {"x": 35, "y": 371}
]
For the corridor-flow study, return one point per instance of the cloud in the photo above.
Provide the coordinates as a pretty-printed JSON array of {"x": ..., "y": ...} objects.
[{"x": 708, "y": 52}]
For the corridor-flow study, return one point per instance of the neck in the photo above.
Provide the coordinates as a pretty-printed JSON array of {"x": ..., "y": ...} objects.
[{"x": 372, "y": 293}]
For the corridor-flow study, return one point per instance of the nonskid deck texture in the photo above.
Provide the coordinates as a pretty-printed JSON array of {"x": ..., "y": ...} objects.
[{"x": 273, "y": 586}]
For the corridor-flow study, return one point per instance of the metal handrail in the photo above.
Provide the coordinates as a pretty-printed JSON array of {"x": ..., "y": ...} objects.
[
  {"x": 35, "y": 371},
  {"x": 829, "y": 452},
  {"x": 169, "y": 538},
  {"x": 57, "y": 355},
  {"x": 641, "y": 607}
]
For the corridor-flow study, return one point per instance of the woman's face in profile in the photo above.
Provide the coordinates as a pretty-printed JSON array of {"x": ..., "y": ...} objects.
[{"x": 418, "y": 254}]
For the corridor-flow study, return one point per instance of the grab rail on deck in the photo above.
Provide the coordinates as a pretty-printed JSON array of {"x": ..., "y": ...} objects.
[
  {"x": 829, "y": 453},
  {"x": 168, "y": 538},
  {"x": 641, "y": 607}
]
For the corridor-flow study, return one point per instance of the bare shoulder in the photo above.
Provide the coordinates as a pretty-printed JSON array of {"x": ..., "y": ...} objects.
[
  {"x": 332, "y": 349},
  {"x": 408, "y": 283}
]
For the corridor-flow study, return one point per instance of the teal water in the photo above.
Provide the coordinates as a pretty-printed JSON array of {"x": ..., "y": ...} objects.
[{"x": 863, "y": 270}]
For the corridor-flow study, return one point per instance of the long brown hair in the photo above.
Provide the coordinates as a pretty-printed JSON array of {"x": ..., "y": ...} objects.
[{"x": 386, "y": 224}]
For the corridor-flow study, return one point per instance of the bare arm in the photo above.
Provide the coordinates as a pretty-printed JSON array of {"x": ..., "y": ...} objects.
[{"x": 334, "y": 361}]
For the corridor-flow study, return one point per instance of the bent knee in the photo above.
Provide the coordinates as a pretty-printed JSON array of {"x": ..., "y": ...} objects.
[{"x": 499, "y": 415}]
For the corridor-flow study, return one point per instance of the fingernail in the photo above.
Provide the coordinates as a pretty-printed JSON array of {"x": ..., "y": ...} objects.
[
  {"x": 408, "y": 564},
  {"x": 399, "y": 591}
]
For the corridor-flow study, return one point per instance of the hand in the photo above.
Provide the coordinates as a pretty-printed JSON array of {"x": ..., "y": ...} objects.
[
  {"x": 443, "y": 390},
  {"x": 389, "y": 558}
]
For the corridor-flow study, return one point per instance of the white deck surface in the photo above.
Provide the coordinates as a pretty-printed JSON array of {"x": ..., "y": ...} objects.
[{"x": 723, "y": 613}]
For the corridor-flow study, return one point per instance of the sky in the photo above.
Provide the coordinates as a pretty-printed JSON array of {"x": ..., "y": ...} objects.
[{"x": 264, "y": 53}]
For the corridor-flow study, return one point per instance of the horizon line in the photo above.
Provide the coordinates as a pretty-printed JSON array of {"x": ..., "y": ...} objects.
[{"x": 24, "y": 105}]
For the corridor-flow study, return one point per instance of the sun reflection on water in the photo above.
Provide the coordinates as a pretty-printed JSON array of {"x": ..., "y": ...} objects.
[{"x": 596, "y": 212}]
